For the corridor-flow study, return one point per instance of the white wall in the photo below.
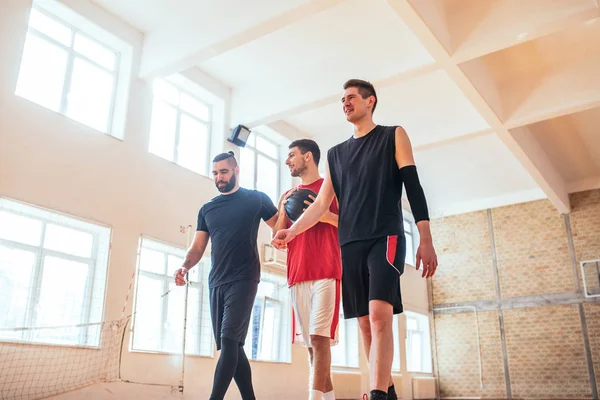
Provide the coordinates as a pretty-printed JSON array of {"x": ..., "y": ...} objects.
[{"x": 53, "y": 162}]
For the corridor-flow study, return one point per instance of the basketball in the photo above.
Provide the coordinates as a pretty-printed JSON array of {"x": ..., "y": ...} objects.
[{"x": 295, "y": 203}]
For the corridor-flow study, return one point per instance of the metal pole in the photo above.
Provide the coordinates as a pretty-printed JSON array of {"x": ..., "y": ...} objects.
[
  {"x": 598, "y": 271},
  {"x": 185, "y": 307}
]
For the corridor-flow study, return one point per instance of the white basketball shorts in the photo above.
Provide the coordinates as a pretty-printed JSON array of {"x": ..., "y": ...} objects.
[{"x": 316, "y": 307}]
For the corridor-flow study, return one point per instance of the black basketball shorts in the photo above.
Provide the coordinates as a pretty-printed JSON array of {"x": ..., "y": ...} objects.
[
  {"x": 371, "y": 270},
  {"x": 230, "y": 310}
]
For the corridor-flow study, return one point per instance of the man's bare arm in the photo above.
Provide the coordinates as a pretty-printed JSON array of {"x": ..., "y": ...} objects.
[
  {"x": 404, "y": 152},
  {"x": 330, "y": 218},
  {"x": 273, "y": 220},
  {"x": 418, "y": 203},
  {"x": 282, "y": 219},
  {"x": 316, "y": 210},
  {"x": 405, "y": 158},
  {"x": 196, "y": 250}
]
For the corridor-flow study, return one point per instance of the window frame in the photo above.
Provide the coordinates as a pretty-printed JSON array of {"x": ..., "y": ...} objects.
[
  {"x": 72, "y": 55},
  {"x": 166, "y": 279},
  {"x": 425, "y": 341},
  {"x": 285, "y": 322},
  {"x": 37, "y": 272},
  {"x": 411, "y": 230},
  {"x": 262, "y": 301},
  {"x": 179, "y": 112},
  {"x": 396, "y": 339},
  {"x": 589, "y": 292},
  {"x": 255, "y": 151},
  {"x": 345, "y": 342}
]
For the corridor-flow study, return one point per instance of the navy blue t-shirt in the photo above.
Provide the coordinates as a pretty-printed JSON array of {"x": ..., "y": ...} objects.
[{"x": 232, "y": 223}]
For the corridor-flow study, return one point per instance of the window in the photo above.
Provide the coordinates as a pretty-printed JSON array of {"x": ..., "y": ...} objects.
[
  {"x": 180, "y": 128},
  {"x": 160, "y": 305},
  {"x": 410, "y": 232},
  {"x": 269, "y": 332},
  {"x": 52, "y": 273},
  {"x": 259, "y": 166},
  {"x": 418, "y": 342},
  {"x": 67, "y": 70},
  {"x": 396, "y": 335},
  {"x": 345, "y": 353}
]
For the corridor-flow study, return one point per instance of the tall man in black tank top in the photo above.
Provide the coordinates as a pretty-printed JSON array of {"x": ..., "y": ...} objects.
[{"x": 366, "y": 173}]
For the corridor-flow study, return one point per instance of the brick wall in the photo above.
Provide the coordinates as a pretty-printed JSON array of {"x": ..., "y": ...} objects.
[
  {"x": 464, "y": 249},
  {"x": 456, "y": 335},
  {"x": 585, "y": 223},
  {"x": 546, "y": 352},
  {"x": 532, "y": 250},
  {"x": 458, "y": 355},
  {"x": 592, "y": 313}
]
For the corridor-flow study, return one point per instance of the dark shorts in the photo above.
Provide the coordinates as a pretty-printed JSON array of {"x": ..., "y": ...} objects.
[
  {"x": 230, "y": 310},
  {"x": 371, "y": 270}
]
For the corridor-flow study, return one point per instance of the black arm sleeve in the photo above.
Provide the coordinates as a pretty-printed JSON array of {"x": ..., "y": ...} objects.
[{"x": 415, "y": 194}]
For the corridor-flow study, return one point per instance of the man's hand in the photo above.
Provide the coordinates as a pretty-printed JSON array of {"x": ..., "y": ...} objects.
[
  {"x": 426, "y": 255},
  {"x": 192, "y": 257},
  {"x": 282, "y": 238},
  {"x": 285, "y": 197},
  {"x": 288, "y": 194},
  {"x": 180, "y": 276},
  {"x": 308, "y": 203}
]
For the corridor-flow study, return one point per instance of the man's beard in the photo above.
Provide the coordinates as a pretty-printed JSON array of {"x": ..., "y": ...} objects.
[
  {"x": 228, "y": 187},
  {"x": 298, "y": 171}
]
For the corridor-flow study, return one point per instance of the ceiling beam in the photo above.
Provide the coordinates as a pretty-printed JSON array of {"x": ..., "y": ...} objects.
[
  {"x": 470, "y": 52},
  {"x": 273, "y": 115},
  {"x": 533, "y": 118},
  {"x": 455, "y": 139},
  {"x": 168, "y": 52},
  {"x": 208, "y": 83},
  {"x": 289, "y": 131},
  {"x": 584, "y": 185},
  {"x": 547, "y": 178}
]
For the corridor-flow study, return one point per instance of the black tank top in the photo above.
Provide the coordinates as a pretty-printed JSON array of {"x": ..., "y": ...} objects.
[{"x": 367, "y": 183}]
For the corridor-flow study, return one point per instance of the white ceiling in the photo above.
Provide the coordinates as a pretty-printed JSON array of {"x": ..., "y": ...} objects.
[
  {"x": 500, "y": 98},
  {"x": 206, "y": 21},
  {"x": 576, "y": 155}
]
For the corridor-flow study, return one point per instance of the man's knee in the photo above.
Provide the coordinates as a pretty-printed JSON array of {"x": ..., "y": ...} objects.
[
  {"x": 319, "y": 342},
  {"x": 364, "y": 325},
  {"x": 321, "y": 352},
  {"x": 381, "y": 314},
  {"x": 229, "y": 344}
]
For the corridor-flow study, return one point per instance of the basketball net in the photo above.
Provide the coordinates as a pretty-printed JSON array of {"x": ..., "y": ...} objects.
[{"x": 40, "y": 362}]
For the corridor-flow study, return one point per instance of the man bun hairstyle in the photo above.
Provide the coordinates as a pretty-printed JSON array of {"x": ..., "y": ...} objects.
[
  {"x": 365, "y": 89},
  {"x": 306, "y": 145},
  {"x": 230, "y": 155}
]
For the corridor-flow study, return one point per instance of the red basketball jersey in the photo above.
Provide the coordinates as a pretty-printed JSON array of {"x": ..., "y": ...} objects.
[{"x": 315, "y": 253}]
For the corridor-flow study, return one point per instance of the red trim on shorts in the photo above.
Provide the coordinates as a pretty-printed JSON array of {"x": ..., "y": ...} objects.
[
  {"x": 336, "y": 314},
  {"x": 392, "y": 245},
  {"x": 293, "y": 326}
]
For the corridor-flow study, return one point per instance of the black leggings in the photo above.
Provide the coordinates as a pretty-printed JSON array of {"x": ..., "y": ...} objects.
[{"x": 232, "y": 363}]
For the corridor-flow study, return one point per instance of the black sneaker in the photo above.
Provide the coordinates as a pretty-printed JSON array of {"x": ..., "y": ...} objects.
[
  {"x": 378, "y": 395},
  {"x": 392, "y": 393}
]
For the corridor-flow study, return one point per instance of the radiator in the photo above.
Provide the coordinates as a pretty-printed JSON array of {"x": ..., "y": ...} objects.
[{"x": 423, "y": 388}]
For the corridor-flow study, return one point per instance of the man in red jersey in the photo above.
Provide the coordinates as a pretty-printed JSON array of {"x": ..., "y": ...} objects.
[{"x": 314, "y": 271}]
